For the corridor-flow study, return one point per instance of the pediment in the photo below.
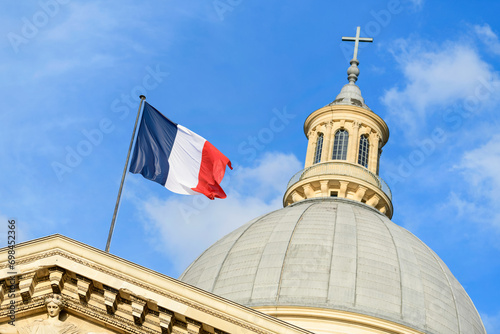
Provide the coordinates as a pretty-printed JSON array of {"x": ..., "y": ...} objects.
[{"x": 103, "y": 293}]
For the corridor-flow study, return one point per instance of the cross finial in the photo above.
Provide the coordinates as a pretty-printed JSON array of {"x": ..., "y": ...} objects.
[
  {"x": 356, "y": 41},
  {"x": 353, "y": 70}
]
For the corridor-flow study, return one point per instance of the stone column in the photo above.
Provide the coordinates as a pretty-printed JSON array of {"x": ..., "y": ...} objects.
[
  {"x": 326, "y": 155},
  {"x": 353, "y": 146},
  {"x": 373, "y": 154},
  {"x": 311, "y": 147}
]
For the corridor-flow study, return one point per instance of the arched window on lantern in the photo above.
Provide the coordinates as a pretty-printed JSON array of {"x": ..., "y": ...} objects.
[
  {"x": 364, "y": 150},
  {"x": 340, "y": 145},
  {"x": 319, "y": 148}
]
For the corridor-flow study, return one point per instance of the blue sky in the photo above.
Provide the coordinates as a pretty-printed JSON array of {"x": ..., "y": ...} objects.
[{"x": 72, "y": 72}]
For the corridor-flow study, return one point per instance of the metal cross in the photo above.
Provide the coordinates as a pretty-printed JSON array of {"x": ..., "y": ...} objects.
[{"x": 356, "y": 41}]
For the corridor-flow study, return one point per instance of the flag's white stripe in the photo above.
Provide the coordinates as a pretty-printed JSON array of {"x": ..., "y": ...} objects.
[{"x": 185, "y": 161}]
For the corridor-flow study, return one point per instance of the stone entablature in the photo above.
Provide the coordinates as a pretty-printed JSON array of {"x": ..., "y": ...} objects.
[
  {"x": 340, "y": 179},
  {"x": 105, "y": 294}
]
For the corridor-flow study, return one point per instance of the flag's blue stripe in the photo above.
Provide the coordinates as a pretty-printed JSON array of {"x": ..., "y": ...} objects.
[{"x": 153, "y": 146}]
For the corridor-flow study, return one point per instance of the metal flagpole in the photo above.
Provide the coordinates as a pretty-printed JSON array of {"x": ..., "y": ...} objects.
[{"x": 112, "y": 227}]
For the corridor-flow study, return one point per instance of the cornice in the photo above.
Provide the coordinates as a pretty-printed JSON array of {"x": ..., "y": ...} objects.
[
  {"x": 166, "y": 287},
  {"x": 355, "y": 111}
]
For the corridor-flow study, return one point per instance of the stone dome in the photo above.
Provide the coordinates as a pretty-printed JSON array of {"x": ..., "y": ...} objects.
[
  {"x": 336, "y": 254},
  {"x": 350, "y": 95}
]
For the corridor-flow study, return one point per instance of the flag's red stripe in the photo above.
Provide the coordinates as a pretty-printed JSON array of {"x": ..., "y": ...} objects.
[{"x": 212, "y": 169}]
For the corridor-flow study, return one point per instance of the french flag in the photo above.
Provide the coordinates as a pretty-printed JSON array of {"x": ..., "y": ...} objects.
[{"x": 177, "y": 158}]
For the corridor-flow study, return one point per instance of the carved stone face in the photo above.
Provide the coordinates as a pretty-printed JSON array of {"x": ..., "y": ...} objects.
[{"x": 53, "y": 309}]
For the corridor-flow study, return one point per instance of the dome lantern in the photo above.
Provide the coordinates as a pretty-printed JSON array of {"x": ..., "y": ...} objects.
[{"x": 343, "y": 153}]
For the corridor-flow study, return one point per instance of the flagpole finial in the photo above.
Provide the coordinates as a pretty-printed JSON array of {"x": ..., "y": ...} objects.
[{"x": 142, "y": 97}]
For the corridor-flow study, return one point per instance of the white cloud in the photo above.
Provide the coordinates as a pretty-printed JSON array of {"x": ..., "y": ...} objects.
[
  {"x": 80, "y": 36},
  {"x": 481, "y": 165},
  {"x": 488, "y": 37},
  {"x": 80, "y": 19},
  {"x": 479, "y": 168},
  {"x": 437, "y": 76},
  {"x": 187, "y": 225},
  {"x": 270, "y": 176},
  {"x": 491, "y": 323},
  {"x": 417, "y": 4},
  {"x": 463, "y": 207}
]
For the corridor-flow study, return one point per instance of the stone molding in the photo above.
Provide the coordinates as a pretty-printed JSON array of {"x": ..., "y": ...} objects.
[
  {"x": 318, "y": 181},
  {"x": 104, "y": 302},
  {"x": 333, "y": 321}
]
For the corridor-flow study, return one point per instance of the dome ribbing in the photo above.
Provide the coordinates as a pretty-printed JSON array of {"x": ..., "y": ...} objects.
[{"x": 336, "y": 254}]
